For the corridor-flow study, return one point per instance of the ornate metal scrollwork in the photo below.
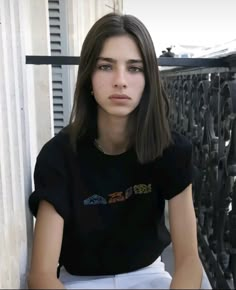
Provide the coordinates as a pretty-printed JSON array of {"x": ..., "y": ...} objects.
[{"x": 203, "y": 108}]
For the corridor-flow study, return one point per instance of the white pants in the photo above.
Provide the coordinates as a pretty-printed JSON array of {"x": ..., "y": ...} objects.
[{"x": 152, "y": 277}]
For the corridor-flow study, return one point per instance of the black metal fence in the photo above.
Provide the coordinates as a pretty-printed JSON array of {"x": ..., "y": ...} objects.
[{"x": 203, "y": 108}]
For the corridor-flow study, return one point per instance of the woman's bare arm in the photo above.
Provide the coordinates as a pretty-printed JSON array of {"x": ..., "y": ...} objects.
[
  {"x": 188, "y": 268},
  {"x": 46, "y": 249}
]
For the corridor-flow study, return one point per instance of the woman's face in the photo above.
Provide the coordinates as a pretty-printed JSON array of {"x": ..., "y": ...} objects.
[{"x": 118, "y": 79}]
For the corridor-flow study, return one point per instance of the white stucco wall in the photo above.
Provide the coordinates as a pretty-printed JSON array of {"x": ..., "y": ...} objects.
[{"x": 22, "y": 89}]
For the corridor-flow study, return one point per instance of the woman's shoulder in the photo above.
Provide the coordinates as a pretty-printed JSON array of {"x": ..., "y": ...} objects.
[
  {"x": 180, "y": 142},
  {"x": 57, "y": 144},
  {"x": 174, "y": 168},
  {"x": 179, "y": 151}
]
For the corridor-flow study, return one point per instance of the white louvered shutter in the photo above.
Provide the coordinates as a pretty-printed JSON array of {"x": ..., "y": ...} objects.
[{"x": 60, "y": 74}]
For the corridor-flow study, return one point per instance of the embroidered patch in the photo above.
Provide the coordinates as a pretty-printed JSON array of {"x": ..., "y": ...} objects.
[
  {"x": 142, "y": 188},
  {"x": 116, "y": 197},
  {"x": 128, "y": 192},
  {"x": 95, "y": 199},
  {"x": 119, "y": 196}
]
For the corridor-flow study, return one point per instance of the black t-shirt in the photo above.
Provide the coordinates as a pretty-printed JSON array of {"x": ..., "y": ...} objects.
[{"x": 112, "y": 206}]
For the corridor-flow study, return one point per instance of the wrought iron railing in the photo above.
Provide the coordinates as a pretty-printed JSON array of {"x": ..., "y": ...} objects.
[{"x": 203, "y": 108}]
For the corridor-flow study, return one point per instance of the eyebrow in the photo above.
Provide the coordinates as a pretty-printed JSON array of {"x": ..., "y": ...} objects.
[{"x": 112, "y": 60}]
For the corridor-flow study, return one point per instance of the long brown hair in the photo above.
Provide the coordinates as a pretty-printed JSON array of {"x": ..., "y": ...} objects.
[{"x": 150, "y": 128}]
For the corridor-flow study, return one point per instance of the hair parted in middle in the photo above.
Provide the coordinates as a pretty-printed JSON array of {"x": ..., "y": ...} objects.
[{"x": 148, "y": 124}]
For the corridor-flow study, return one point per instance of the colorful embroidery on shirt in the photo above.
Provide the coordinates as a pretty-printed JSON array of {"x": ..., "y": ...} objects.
[
  {"x": 95, "y": 199},
  {"x": 116, "y": 197},
  {"x": 128, "y": 192},
  {"x": 142, "y": 188},
  {"x": 119, "y": 196}
]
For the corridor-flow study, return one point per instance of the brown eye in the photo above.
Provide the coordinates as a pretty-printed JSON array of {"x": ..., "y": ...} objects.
[
  {"x": 105, "y": 67},
  {"x": 135, "y": 69}
]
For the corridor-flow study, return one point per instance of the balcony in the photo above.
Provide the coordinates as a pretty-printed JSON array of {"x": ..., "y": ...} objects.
[{"x": 202, "y": 94}]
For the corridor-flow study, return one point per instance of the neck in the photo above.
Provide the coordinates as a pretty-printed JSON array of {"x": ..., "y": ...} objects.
[{"x": 113, "y": 136}]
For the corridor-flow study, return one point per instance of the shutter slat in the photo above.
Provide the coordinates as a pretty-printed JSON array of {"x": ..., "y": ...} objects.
[
  {"x": 57, "y": 86},
  {"x": 54, "y": 13},
  {"x": 55, "y": 27},
  {"x": 55, "y": 37},
  {"x": 58, "y": 116},
  {"x": 53, "y": 21},
  {"x": 57, "y": 77},
  {"x": 58, "y": 98},
  {"x": 53, "y": 4},
  {"x": 57, "y": 45}
]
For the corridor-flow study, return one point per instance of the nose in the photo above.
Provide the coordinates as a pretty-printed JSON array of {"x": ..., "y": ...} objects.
[{"x": 120, "y": 80}]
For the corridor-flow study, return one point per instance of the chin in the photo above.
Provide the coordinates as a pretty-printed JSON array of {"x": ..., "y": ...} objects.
[{"x": 120, "y": 113}]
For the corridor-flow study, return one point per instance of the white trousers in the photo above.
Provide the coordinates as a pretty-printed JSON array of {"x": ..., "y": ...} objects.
[{"x": 152, "y": 277}]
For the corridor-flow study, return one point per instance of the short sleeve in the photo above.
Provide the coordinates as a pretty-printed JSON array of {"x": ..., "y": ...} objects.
[
  {"x": 50, "y": 180},
  {"x": 174, "y": 170}
]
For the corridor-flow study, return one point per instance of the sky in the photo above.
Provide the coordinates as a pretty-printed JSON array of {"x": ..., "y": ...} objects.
[{"x": 186, "y": 22}]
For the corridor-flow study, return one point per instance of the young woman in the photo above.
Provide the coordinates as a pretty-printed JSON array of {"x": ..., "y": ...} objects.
[{"x": 102, "y": 182}]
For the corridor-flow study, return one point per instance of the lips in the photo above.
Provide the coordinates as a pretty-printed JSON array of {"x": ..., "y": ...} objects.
[{"x": 119, "y": 97}]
